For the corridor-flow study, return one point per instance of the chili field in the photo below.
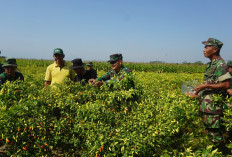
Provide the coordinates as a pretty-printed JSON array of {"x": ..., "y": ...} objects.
[{"x": 150, "y": 118}]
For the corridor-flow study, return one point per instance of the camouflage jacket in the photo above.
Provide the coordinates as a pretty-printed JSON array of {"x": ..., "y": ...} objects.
[
  {"x": 216, "y": 72},
  {"x": 4, "y": 77},
  {"x": 112, "y": 75}
]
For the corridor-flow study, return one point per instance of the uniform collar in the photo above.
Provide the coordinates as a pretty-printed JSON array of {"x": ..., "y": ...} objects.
[{"x": 213, "y": 62}]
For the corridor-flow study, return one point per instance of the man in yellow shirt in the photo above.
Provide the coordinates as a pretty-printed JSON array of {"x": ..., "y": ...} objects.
[{"x": 59, "y": 70}]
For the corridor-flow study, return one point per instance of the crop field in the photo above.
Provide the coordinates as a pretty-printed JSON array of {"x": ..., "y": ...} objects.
[{"x": 152, "y": 119}]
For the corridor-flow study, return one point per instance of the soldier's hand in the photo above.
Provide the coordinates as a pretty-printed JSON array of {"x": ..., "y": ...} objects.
[
  {"x": 92, "y": 81},
  {"x": 192, "y": 94},
  {"x": 200, "y": 87},
  {"x": 98, "y": 84},
  {"x": 229, "y": 91}
]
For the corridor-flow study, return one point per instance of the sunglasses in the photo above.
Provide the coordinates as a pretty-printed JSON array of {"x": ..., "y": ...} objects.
[{"x": 113, "y": 62}]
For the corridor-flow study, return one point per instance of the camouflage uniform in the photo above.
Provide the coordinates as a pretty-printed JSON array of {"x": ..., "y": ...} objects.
[
  {"x": 216, "y": 72},
  {"x": 112, "y": 74}
]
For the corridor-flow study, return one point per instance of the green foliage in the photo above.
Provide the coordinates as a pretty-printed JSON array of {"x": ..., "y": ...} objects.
[
  {"x": 146, "y": 67},
  {"x": 149, "y": 118}
]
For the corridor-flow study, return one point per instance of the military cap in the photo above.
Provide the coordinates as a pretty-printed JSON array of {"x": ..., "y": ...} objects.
[
  {"x": 115, "y": 57},
  {"x": 77, "y": 63},
  {"x": 90, "y": 64},
  {"x": 10, "y": 62},
  {"x": 58, "y": 51},
  {"x": 213, "y": 42},
  {"x": 229, "y": 64}
]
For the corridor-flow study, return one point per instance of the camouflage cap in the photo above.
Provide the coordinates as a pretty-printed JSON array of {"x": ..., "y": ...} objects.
[
  {"x": 115, "y": 57},
  {"x": 58, "y": 51},
  {"x": 213, "y": 42},
  {"x": 10, "y": 62},
  {"x": 90, "y": 64},
  {"x": 229, "y": 64}
]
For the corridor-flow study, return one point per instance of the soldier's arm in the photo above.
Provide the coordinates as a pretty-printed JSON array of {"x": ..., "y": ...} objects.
[
  {"x": 104, "y": 77},
  {"x": 217, "y": 86}
]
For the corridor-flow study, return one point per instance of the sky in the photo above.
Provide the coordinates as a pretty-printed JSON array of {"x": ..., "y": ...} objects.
[{"x": 142, "y": 30}]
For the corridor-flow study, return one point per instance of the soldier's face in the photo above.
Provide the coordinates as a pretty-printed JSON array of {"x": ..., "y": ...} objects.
[
  {"x": 10, "y": 70},
  {"x": 209, "y": 51},
  {"x": 116, "y": 65}
]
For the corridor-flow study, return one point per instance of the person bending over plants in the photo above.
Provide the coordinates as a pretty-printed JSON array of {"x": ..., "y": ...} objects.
[
  {"x": 116, "y": 74},
  {"x": 83, "y": 75}
]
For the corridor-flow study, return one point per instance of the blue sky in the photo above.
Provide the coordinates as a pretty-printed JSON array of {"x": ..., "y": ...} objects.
[{"x": 142, "y": 30}]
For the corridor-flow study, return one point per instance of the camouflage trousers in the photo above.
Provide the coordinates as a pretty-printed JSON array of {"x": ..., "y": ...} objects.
[{"x": 213, "y": 124}]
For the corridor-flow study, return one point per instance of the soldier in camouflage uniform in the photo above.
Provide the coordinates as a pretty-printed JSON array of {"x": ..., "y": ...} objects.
[
  {"x": 117, "y": 72},
  {"x": 229, "y": 64},
  {"x": 10, "y": 73},
  {"x": 216, "y": 82}
]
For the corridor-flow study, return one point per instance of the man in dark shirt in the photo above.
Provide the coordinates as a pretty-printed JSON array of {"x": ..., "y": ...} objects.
[
  {"x": 11, "y": 73},
  {"x": 83, "y": 75},
  {"x": 90, "y": 68}
]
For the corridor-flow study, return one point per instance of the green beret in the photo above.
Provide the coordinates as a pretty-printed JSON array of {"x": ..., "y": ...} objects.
[{"x": 115, "y": 57}]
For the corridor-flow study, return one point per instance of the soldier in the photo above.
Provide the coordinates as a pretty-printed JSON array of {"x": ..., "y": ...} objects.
[
  {"x": 58, "y": 71},
  {"x": 117, "y": 72},
  {"x": 90, "y": 68},
  {"x": 83, "y": 75},
  {"x": 216, "y": 81},
  {"x": 11, "y": 73},
  {"x": 229, "y": 64}
]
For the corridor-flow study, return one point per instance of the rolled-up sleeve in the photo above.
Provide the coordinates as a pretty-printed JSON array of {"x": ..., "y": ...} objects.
[{"x": 224, "y": 77}]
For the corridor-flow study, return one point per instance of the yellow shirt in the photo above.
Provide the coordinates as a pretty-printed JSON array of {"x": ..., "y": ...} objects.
[{"x": 55, "y": 74}]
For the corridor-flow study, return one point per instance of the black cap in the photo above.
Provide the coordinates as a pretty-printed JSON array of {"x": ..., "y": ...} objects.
[{"x": 77, "y": 63}]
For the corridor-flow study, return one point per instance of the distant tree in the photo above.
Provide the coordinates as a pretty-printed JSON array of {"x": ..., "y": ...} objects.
[
  {"x": 198, "y": 62},
  {"x": 157, "y": 62},
  {"x": 185, "y": 62}
]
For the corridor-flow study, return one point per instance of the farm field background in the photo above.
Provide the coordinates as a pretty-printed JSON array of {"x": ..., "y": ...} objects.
[{"x": 152, "y": 119}]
